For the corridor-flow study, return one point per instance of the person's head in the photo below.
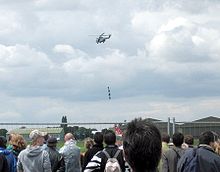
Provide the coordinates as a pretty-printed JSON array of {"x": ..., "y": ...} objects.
[
  {"x": 88, "y": 143},
  {"x": 69, "y": 136},
  {"x": 10, "y": 136},
  {"x": 52, "y": 142},
  {"x": 3, "y": 142},
  {"x": 109, "y": 137},
  {"x": 98, "y": 138},
  {"x": 207, "y": 138},
  {"x": 188, "y": 139},
  {"x": 178, "y": 139},
  {"x": 46, "y": 137},
  {"x": 37, "y": 137},
  {"x": 142, "y": 145},
  {"x": 165, "y": 137},
  {"x": 18, "y": 142}
]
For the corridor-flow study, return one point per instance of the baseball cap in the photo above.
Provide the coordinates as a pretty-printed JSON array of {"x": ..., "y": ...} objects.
[
  {"x": 52, "y": 140},
  {"x": 36, "y": 133}
]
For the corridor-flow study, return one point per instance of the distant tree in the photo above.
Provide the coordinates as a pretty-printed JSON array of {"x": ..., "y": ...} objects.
[
  {"x": 80, "y": 133},
  {"x": 3, "y": 132},
  {"x": 64, "y": 123}
]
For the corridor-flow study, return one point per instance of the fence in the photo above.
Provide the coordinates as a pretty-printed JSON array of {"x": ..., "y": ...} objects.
[{"x": 170, "y": 127}]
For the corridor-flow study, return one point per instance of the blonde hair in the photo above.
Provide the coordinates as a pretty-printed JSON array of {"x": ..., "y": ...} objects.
[
  {"x": 88, "y": 143},
  {"x": 217, "y": 146},
  {"x": 18, "y": 141}
]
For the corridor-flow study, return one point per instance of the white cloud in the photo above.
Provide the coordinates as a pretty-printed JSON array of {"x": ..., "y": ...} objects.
[
  {"x": 9, "y": 22},
  {"x": 22, "y": 55},
  {"x": 183, "y": 41},
  {"x": 62, "y": 48}
]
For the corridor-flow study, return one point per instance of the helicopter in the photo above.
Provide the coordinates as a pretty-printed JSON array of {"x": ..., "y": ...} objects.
[{"x": 101, "y": 38}]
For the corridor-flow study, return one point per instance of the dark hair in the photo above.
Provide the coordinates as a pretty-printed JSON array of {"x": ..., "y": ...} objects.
[
  {"x": 98, "y": 137},
  {"x": 189, "y": 139},
  {"x": 206, "y": 137},
  {"x": 165, "y": 137},
  {"x": 142, "y": 145},
  {"x": 178, "y": 139},
  {"x": 3, "y": 142},
  {"x": 109, "y": 137}
]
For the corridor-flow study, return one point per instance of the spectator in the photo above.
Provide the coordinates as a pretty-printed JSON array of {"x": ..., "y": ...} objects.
[
  {"x": 34, "y": 158},
  {"x": 10, "y": 147},
  {"x": 88, "y": 143},
  {"x": 142, "y": 146},
  {"x": 71, "y": 154},
  {"x": 17, "y": 143},
  {"x": 46, "y": 137},
  {"x": 8, "y": 154},
  {"x": 217, "y": 146},
  {"x": 99, "y": 160},
  {"x": 56, "y": 160},
  {"x": 188, "y": 142},
  {"x": 207, "y": 160},
  {"x": 3, "y": 164},
  {"x": 171, "y": 157},
  {"x": 165, "y": 147},
  {"x": 98, "y": 146},
  {"x": 165, "y": 142}
]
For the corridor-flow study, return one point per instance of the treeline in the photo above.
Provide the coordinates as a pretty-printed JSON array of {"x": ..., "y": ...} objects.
[{"x": 80, "y": 133}]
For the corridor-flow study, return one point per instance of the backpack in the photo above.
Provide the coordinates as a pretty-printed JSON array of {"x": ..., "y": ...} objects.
[
  {"x": 112, "y": 164},
  {"x": 191, "y": 163}
]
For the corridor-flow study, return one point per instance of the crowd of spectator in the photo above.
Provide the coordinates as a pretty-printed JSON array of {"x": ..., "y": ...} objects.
[{"x": 144, "y": 149}]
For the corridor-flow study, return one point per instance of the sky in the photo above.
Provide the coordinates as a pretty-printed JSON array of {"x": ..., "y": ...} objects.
[{"x": 162, "y": 60}]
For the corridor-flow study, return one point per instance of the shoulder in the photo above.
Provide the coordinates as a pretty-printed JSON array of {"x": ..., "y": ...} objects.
[
  {"x": 45, "y": 153},
  {"x": 22, "y": 152}
]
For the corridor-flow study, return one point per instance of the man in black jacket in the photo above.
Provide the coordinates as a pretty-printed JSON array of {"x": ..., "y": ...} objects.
[
  {"x": 98, "y": 162},
  {"x": 56, "y": 160},
  {"x": 98, "y": 146},
  {"x": 171, "y": 157}
]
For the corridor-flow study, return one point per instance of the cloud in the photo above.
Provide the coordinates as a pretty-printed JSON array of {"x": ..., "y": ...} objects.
[
  {"x": 184, "y": 43},
  {"x": 61, "y": 48}
]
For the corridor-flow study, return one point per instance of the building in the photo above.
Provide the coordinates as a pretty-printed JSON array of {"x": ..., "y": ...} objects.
[
  {"x": 54, "y": 132},
  {"x": 196, "y": 127}
]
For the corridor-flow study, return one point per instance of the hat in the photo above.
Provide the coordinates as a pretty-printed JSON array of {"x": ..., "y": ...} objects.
[
  {"x": 36, "y": 133},
  {"x": 3, "y": 141},
  {"x": 52, "y": 140}
]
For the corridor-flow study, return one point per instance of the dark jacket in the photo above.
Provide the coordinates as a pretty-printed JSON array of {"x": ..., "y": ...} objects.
[
  {"x": 56, "y": 160},
  {"x": 208, "y": 160},
  {"x": 10, "y": 159},
  {"x": 97, "y": 163},
  {"x": 170, "y": 159},
  {"x": 3, "y": 164},
  {"x": 90, "y": 153}
]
